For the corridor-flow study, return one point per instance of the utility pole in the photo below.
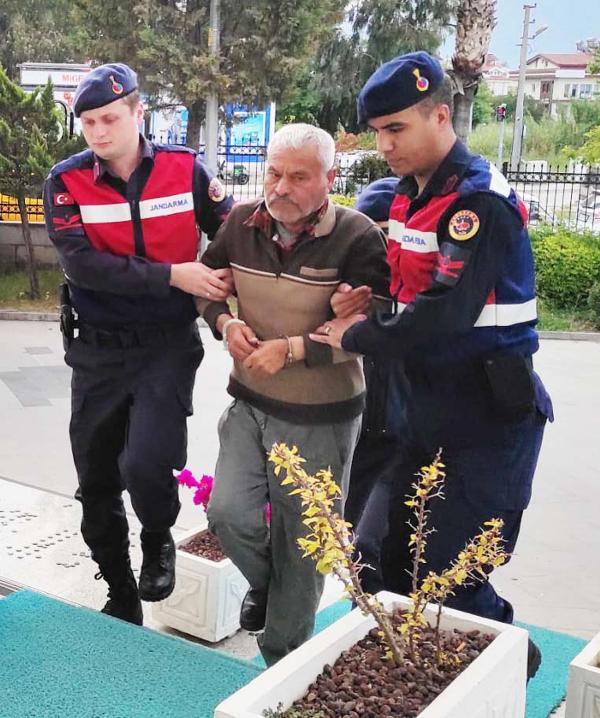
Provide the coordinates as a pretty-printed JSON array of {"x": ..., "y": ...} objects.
[
  {"x": 515, "y": 158},
  {"x": 212, "y": 101}
]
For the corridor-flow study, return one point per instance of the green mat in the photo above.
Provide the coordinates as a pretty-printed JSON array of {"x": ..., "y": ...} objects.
[
  {"x": 544, "y": 692},
  {"x": 59, "y": 661}
]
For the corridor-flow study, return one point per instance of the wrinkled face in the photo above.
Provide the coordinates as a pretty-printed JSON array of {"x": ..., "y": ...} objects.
[
  {"x": 408, "y": 139},
  {"x": 111, "y": 131},
  {"x": 296, "y": 183}
]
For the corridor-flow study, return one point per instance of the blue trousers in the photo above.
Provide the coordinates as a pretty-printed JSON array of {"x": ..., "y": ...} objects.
[
  {"x": 128, "y": 431},
  {"x": 490, "y": 463}
]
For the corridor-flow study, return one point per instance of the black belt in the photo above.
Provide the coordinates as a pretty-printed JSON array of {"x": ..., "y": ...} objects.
[{"x": 131, "y": 337}]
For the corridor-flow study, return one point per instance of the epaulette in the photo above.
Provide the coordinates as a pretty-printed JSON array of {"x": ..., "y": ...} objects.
[
  {"x": 173, "y": 148},
  {"x": 81, "y": 160}
]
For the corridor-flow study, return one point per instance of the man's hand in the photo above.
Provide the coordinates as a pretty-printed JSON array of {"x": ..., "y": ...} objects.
[
  {"x": 346, "y": 301},
  {"x": 201, "y": 281},
  {"x": 269, "y": 358},
  {"x": 241, "y": 341},
  {"x": 332, "y": 331}
]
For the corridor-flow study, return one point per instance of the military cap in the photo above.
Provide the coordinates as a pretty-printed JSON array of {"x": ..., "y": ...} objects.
[
  {"x": 398, "y": 84},
  {"x": 376, "y": 199},
  {"x": 103, "y": 85}
]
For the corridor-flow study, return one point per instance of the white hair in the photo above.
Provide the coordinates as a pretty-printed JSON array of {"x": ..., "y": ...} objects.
[{"x": 297, "y": 136}]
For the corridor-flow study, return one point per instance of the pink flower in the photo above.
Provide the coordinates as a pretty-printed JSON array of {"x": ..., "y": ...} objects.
[
  {"x": 186, "y": 478},
  {"x": 204, "y": 488},
  {"x": 203, "y": 491}
]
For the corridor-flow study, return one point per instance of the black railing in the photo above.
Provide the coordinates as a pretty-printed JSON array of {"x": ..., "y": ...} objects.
[
  {"x": 242, "y": 169},
  {"x": 560, "y": 196}
]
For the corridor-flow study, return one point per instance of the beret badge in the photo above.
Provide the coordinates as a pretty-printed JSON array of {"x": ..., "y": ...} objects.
[
  {"x": 116, "y": 87},
  {"x": 422, "y": 82}
]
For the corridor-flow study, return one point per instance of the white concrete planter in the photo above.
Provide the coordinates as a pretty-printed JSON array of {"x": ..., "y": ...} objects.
[
  {"x": 493, "y": 686},
  {"x": 207, "y": 597},
  {"x": 583, "y": 692}
]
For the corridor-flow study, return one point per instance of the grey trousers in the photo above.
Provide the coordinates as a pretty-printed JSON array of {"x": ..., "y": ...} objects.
[{"x": 269, "y": 557}]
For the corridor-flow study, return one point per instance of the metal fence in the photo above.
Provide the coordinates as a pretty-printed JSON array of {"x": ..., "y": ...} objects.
[
  {"x": 559, "y": 196},
  {"x": 242, "y": 169}
]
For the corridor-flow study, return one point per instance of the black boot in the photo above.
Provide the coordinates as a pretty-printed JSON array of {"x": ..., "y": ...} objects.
[
  {"x": 534, "y": 659},
  {"x": 157, "y": 577},
  {"x": 254, "y": 610},
  {"x": 123, "y": 600}
]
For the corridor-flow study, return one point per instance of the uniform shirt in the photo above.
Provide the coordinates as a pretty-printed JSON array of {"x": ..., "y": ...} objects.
[
  {"x": 113, "y": 289},
  {"x": 462, "y": 293}
]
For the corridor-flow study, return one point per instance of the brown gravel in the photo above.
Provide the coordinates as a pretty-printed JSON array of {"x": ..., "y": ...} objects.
[
  {"x": 362, "y": 684},
  {"x": 205, "y": 545}
]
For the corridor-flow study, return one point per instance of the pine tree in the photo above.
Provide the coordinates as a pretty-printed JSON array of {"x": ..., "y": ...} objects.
[{"x": 32, "y": 138}]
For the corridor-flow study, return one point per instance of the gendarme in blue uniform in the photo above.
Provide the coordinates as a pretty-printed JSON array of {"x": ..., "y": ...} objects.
[{"x": 463, "y": 275}]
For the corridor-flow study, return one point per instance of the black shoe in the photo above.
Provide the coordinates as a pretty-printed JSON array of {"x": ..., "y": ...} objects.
[
  {"x": 157, "y": 577},
  {"x": 254, "y": 610},
  {"x": 534, "y": 659},
  {"x": 123, "y": 600}
]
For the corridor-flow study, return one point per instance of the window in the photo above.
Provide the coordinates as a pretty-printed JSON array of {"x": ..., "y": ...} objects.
[
  {"x": 585, "y": 90},
  {"x": 533, "y": 87},
  {"x": 567, "y": 92}
]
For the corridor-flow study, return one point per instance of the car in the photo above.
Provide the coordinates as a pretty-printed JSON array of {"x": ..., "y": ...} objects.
[{"x": 536, "y": 212}]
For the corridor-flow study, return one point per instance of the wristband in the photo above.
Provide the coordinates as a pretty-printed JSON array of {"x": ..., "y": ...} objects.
[
  {"x": 233, "y": 320},
  {"x": 289, "y": 359}
]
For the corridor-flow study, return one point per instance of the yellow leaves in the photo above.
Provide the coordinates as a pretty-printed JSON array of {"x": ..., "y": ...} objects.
[{"x": 328, "y": 542}]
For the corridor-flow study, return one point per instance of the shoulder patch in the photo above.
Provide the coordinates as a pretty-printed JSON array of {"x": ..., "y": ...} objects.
[
  {"x": 63, "y": 198},
  {"x": 216, "y": 190},
  {"x": 463, "y": 225}
]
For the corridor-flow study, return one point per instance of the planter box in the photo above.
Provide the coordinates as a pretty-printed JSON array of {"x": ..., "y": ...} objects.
[
  {"x": 583, "y": 692},
  {"x": 207, "y": 597},
  {"x": 493, "y": 686}
]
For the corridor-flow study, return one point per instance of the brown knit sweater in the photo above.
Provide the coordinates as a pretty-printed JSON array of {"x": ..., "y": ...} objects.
[{"x": 287, "y": 293}]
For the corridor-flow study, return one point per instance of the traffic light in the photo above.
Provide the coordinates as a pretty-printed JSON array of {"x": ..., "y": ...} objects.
[{"x": 501, "y": 112}]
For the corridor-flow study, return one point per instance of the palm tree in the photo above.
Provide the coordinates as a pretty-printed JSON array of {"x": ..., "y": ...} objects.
[{"x": 475, "y": 20}]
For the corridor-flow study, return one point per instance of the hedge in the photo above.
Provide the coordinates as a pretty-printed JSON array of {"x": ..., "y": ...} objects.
[{"x": 567, "y": 265}]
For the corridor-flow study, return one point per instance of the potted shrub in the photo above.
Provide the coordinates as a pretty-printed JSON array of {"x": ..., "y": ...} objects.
[
  {"x": 392, "y": 655},
  {"x": 583, "y": 692},
  {"x": 209, "y": 589}
]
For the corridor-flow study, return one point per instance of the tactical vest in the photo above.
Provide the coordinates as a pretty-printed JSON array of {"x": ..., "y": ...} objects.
[
  {"x": 160, "y": 225},
  {"x": 509, "y": 316}
]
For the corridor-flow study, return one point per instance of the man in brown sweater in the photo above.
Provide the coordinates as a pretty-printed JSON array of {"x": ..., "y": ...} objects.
[{"x": 288, "y": 252}]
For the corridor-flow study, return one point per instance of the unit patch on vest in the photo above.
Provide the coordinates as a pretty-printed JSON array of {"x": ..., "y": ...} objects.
[
  {"x": 216, "y": 191},
  {"x": 451, "y": 263},
  {"x": 463, "y": 225}
]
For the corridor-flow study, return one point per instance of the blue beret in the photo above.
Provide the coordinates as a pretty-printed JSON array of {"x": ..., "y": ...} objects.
[
  {"x": 104, "y": 85},
  {"x": 376, "y": 199},
  {"x": 398, "y": 84}
]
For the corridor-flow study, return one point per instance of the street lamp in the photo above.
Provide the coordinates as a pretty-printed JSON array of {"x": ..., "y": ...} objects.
[{"x": 515, "y": 158}]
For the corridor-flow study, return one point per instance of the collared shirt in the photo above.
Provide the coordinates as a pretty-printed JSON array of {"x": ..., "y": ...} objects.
[
  {"x": 318, "y": 224},
  {"x": 444, "y": 180}
]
